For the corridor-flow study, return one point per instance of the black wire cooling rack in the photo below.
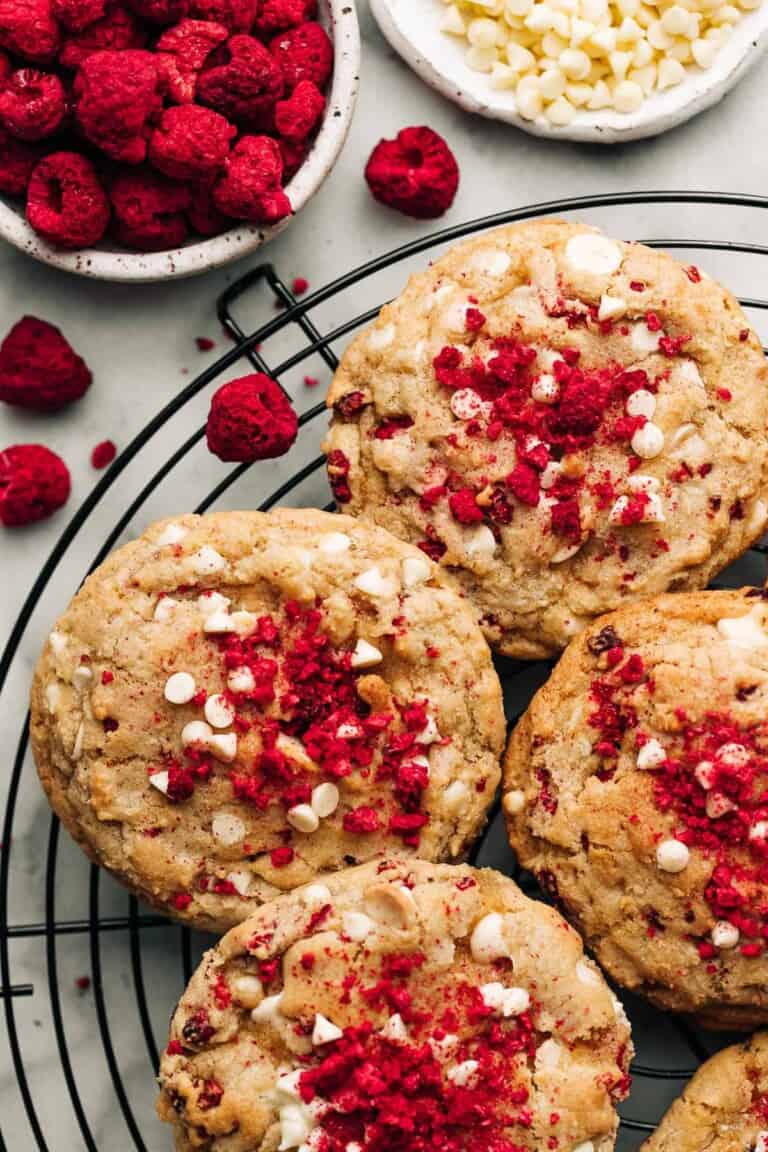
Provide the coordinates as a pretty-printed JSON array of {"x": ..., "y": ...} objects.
[{"x": 78, "y": 1070}]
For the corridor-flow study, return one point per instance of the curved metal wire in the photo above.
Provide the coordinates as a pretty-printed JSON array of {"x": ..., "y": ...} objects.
[{"x": 295, "y": 316}]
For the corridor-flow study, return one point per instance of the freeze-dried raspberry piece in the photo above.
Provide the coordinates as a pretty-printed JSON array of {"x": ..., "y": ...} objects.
[
  {"x": 416, "y": 173},
  {"x": 149, "y": 210},
  {"x": 241, "y": 80},
  {"x": 6, "y": 67},
  {"x": 28, "y": 29},
  {"x": 159, "y": 11},
  {"x": 249, "y": 188},
  {"x": 203, "y": 215},
  {"x": 190, "y": 142},
  {"x": 181, "y": 52},
  {"x": 116, "y": 98},
  {"x": 17, "y": 162},
  {"x": 303, "y": 53},
  {"x": 32, "y": 104},
  {"x": 250, "y": 419},
  {"x": 298, "y": 116},
  {"x": 117, "y": 31},
  {"x": 34, "y": 482},
  {"x": 78, "y": 14},
  {"x": 237, "y": 15},
  {"x": 40, "y": 369},
  {"x": 277, "y": 15},
  {"x": 294, "y": 153},
  {"x": 66, "y": 203}
]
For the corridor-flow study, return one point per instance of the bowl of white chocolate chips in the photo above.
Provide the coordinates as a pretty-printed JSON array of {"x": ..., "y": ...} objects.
[{"x": 590, "y": 70}]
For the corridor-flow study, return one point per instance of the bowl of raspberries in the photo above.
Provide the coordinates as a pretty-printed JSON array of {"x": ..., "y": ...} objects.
[{"x": 148, "y": 139}]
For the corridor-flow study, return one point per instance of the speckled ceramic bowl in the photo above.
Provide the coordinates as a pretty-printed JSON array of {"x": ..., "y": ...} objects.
[
  {"x": 111, "y": 263},
  {"x": 413, "y": 29}
]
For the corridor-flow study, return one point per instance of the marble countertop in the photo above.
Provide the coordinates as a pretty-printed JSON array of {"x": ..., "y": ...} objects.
[{"x": 140, "y": 343}]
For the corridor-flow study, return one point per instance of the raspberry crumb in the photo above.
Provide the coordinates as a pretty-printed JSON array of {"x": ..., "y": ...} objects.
[
  {"x": 299, "y": 286},
  {"x": 204, "y": 343},
  {"x": 103, "y": 454},
  {"x": 250, "y": 419},
  {"x": 311, "y": 381},
  {"x": 34, "y": 482},
  {"x": 39, "y": 368},
  {"x": 416, "y": 173},
  {"x": 724, "y": 394},
  {"x": 281, "y": 857},
  {"x": 83, "y": 983},
  {"x": 181, "y": 901}
]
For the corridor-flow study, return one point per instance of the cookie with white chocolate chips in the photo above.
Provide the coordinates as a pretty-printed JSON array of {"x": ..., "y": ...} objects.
[
  {"x": 236, "y": 703},
  {"x": 398, "y": 1007},
  {"x": 725, "y": 1106},
  {"x": 636, "y": 789},
  {"x": 563, "y": 421}
]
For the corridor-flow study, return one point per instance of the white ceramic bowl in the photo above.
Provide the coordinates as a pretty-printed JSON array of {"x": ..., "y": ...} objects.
[
  {"x": 412, "y": 27},
  {"x": 107, "y": 263}
]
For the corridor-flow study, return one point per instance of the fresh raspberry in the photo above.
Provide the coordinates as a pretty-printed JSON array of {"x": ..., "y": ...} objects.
[
  {"x": 103, "y": 454},
  {"x": 39, "y": 368},
  {"x": 17, "y": 162},
  {"x": 78, "y": 14},
  {"x": 242, "y": 81},
  {"x": 294, "y": 153},
  {"x": 277, "y": 15},
  {"x": 250, "y": 419},
  {"x": 249, "y": 188},
  {"x": 149, "y": 210},
  {"x": 236, "y": 15},
  {"x": 28, "y": 29},
  {"x": 159, "y": 11},
  {"x": 117, "y": 31},
  {"x": 181, "y": 52},
  {"x": 303, "y": 53},
  {"x": 416, "y": 173},
  {"x": 116, "y": 97},
  {"x": 66, "y": 204},
  {"x": 298, "y": 116},
  {"x": 32, "y": 104},
  {"x": 34, "y": 482},
  {"x": 190, "y": 142},
  {"x": 202, "y": 214}
]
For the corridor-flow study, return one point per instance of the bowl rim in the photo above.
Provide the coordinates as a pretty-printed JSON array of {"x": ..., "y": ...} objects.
[
  {"x": 216, "y": 251},
  {"x": 408, "y": 25}
]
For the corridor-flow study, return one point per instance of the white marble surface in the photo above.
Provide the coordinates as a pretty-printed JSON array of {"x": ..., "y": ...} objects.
[{"x": 140, "y": 344}]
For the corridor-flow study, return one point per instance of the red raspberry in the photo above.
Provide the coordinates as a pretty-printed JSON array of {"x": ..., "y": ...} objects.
[
  {"x": 149, "y": 210},
  {"x": 116, "y": 97},
  {"x": 32, "y": 104},
  {"x": 464, "y": 506},
  {"x": 237, "y": 15},
  {"x": 78, "y": 14},
  {"x": 294, "y": 153},
  {"x": 39, "y": 368},
  {"x": 276, "y": 15},
  {"x": 66, "y": 204},
  {"x": 34, "y": 482},
  {"x": 17, "y": 162},
  {"x": 117, "y": 31},
  {"x": 28, "y": 29},
  {"x": 416, "y": 173},
  {"x": 298, "y": 116},
  {"x": 103, "y": 454},
  {"x": 5, "y": 66},
  {"x": 250, "y": 419},
  {"x": 249, "y": 188},
  {"x": 204, "y": 217},
  {"x": 159, "y": 11},
  {"x": 242, "y": 81},
  {"x": 181, "y": 52},
  {"x": 303, "y": 53},
  {"x": 190, "y": 142}
]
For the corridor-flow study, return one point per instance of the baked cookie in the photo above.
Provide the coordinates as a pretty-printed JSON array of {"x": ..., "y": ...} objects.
[
  {"x": 398, "y": 1007},
  {"x": 564, "y": 421},
  {"x": 636, "y": 789},
  {"x": 236, "y": 703},
  {"x": 725, "y": 1106}
]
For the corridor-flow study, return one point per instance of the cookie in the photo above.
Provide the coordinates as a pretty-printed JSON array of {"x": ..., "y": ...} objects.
[
  {"x": 725, "y": 1106},
  {"x": 636, "y": 789},
  {"x": 398, "y": 1007},
  {"x": 565, "y": 422},
  {"x": 236, "y": 703}
]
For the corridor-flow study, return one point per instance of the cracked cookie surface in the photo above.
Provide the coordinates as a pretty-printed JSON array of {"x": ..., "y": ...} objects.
[
  {"x": 564, "y": 421},
  {"x": 397, "y": 1007},
  {"x": 636, "y": 789},
  {"x": 235, "y": 703}
]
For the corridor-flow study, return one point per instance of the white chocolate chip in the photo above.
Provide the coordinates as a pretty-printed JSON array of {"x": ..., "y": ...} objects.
[
  {"x": 82, "y": 677},
  {"x": 218, "y": 711},
  {"x": 430, "y": 733},
  {"x": 295, "y": 1126},
  {"x": 207, "y": 561},
  {"x": 592, "y": 253},
  {"x": 725, "y": 935},
  {"x": 643, "y": 341},
  {"x": 718, "y": 804},
  {"x": 641, "y": 482},
  {"x": 549, "y": 1054},
  {"x": 705, "y": 774},
  {"x": 325, "y": 1031},
  {"x": 545, "y": 389},
  {"x": 416, "y": 569},
  {"x": 325, "y": 799},
  {"x": 586, "y": 1146},
  {"x": 244, "y": 622},
  {"x": 745, "y": 632},
  {"x": 227, "y": 829},
  {"x": 611, "y": 307},
  {"x": 334, "y": 543},
  {"x": 652, "y": 513},
  {"x": 223, "y": 746},
  {"x": 382, "y": 337},
  {"x": 487, "y": 941},
  {"x": 209, "y": 602},
  {"x": 672, "y": 856},
  {"x": 303, "y": 818},
  {"x": 288, "y": 1084},
  {"x": 761, "y": 1144},
  {"x": 241, "y": 680},
  {"x": 467, "y": 405},
  {"x": 240, "y": 881},
  {"x": 391, "y": 905},
  {"x": 196, "y": 732},
  {"x": 58, "y": 642},
  {"x": 365, "y": 655},
  {"x": 395, "y": 1029},
  {"x": 159, "y": 780},
  {"x": 316, "y": 894},
  {"x": 356, "y": 925},
  {"x": 759, "y": 831},
  {"x": 651, "y": 755},
  {"x": 52, "y": 696},
  {"x": 165, "y": 608},
  {"x": 479, "y": 541},
  {"x": 648, "y": 441},
  {"x": 218, "y": 623},
  {"x": 551, "y": 475},
  {"x": 248, "y": 990},
  {"x": 641, "y": 402},
  {"x": 455, "y": 796},
  {"x": 505, "y": 1001},
  {"x": 566, "y": 552},
  {"x": 268, "y": 1010},
  {"x": 514, "y": 802},
  {"x": 490, "y": 261},
  {"x": 585, "y": 974},
  {"x": 171, "y": 534},
  {"x": 373, "y": 583},
  {"x": 464, "y": 1073},
  {"x": 735, "y": 754},
  {"x": 179, "y": 688}
]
